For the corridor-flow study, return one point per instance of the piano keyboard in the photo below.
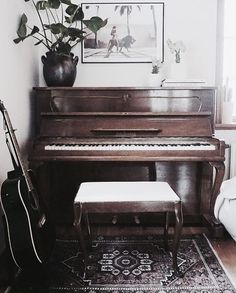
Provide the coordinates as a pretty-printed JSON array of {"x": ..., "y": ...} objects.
[{"x": 198, "y": 146}]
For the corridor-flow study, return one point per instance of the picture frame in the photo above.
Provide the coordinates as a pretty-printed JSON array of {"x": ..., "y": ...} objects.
[{"x": 134, "y": 33}]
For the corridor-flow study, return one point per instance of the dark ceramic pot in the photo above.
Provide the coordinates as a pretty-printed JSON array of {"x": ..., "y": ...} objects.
[{"x": 59, "y": 69}]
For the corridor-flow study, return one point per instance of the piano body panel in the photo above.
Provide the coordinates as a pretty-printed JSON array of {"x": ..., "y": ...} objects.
[
  {"x": 97, "y": 124},
  {"x": 122, "y": 114},
  {"x": 150, "y": 156},
  {"x": 123, "y": 99}
]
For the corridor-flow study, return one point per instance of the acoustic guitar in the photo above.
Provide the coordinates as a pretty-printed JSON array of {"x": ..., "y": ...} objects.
[{"x": 30, "y": 233}]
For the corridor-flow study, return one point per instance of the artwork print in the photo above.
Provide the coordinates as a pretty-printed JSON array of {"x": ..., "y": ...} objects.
[{"x": 134, "y": 33}]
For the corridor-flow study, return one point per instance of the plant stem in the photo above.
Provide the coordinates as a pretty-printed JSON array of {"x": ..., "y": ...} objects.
[
  {"x": 53, "y": 17},
  {"x": 42, "y": 42},
  {"x": 57, "y": 15},
  {"x": 48, "y": 21},
  {"x": 62, "y": 14},
  {"x": 41, "y": 21}
]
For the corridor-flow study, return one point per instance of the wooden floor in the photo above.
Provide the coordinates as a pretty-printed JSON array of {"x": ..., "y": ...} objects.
[{"x": 225, "y": 249}]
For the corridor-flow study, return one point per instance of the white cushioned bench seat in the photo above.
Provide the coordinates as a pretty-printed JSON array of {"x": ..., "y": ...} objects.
[{"x": 127, "y": 192}]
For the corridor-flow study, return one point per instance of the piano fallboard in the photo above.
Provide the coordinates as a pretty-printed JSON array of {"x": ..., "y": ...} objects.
[
  {"x": 129, "y": 149},
  {"x": 125, "y": 124}
]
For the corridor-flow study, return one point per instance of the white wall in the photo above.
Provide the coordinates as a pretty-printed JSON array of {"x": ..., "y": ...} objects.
[
  {"x": 18, "y": 73},
  {"x": 193, "y": 22}
]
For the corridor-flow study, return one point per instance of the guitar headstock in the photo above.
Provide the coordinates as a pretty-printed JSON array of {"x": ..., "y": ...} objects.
[{"x": 2, "y": 107}]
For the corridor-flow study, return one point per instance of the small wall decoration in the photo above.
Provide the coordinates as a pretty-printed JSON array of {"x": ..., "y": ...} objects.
[
  {"x": 176, "y": 48},
  {"x": 134, "y": 33}
]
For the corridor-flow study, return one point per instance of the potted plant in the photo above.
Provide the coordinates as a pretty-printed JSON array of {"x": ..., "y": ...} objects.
[
  {"x": 176, "y": 48},
  {"x": 155, "y": 77},
  {"x": 156, "y": 64},
  {"x": 59, "y": 32}
]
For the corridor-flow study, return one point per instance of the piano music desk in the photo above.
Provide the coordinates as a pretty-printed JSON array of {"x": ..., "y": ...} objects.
[{"x": 128, "y": 197}]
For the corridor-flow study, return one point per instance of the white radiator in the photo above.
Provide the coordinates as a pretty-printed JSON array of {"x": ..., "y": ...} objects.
[{"x": 231, "y": 160}]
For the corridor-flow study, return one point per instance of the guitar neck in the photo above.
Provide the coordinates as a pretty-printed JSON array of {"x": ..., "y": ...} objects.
[{"x": 16, "y": 148}]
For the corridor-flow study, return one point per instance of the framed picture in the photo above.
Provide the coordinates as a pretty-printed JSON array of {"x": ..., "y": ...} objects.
[{"x": 134, "y": 33}]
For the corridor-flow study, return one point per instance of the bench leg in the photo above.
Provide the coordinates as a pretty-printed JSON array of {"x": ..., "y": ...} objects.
[
  {"x": 177, "y": 234},
  {"x": 166, "y": 228},
  {"x": 86, "y": 217},
  {"x": 77, "y": 223}
]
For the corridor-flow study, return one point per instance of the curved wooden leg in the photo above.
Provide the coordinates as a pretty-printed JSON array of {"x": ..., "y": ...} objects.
[
  {"x": 177, "y": 234},
  {"x": 78, "y": 212},
  {"x": 86, "y": 217},
  {"x": 166, "y": 228},
  {"x": 217, "y": 228}
]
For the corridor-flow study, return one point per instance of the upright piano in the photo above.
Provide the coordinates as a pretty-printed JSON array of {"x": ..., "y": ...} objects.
[{"x": 164, "y": 134}]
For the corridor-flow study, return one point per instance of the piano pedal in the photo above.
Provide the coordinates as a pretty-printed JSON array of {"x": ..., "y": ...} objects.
[
  {"x": 137, "y": 220},
  {"x": 114, "y": 220}
]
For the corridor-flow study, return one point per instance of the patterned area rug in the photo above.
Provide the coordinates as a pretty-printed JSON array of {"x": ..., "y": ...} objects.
[{"x": 137, "y": 264}]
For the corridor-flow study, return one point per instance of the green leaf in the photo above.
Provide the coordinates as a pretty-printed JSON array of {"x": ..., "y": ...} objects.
[
  {"x": 95, "y": 23},
  {"x": 71, "y": 9},
  {"x": 18, "y": 40},
  {"x": 22, "y": 30},
  {"x": 68, "y": 2},
  {"x": 24, "y": 18},
  {"x": 75, "y": 32},
  {"x": 56, "y": 28},
  {"x": 63, "y": 48},
  {"x": 79, "y": 15},
  {"x": 55, "y": 4},
  {"x": 75, "y": 12},
  {"x": 68, "y": 19},
  {"x": 42, "y": 5},
  {"x": 34, "y": 30},
  {"x": 53, "y": 46},
  {"x": 21, "y": 39}
]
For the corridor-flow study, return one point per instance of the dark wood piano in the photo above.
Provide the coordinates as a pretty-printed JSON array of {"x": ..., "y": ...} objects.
[{"x": 162, "y": 134}]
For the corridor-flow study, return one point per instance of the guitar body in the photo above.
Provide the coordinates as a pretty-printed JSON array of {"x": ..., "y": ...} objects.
[{"x": 30, "y": 233}]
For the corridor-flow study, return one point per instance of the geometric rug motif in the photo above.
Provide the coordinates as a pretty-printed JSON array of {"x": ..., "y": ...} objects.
[{"x": 137, "y": 264}]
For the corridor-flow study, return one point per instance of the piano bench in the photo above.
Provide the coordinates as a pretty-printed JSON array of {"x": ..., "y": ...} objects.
[{"x": 128, "y": 197}]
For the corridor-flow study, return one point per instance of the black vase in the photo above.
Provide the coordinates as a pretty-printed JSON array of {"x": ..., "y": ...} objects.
[{"x": 59, "y": 69}]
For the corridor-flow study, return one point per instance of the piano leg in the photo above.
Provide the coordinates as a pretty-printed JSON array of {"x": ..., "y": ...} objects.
[{"x": 216, "y": 228}]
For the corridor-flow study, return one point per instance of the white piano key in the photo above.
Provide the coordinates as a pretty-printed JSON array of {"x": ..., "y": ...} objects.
[{"x": 178, "y": 146}]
